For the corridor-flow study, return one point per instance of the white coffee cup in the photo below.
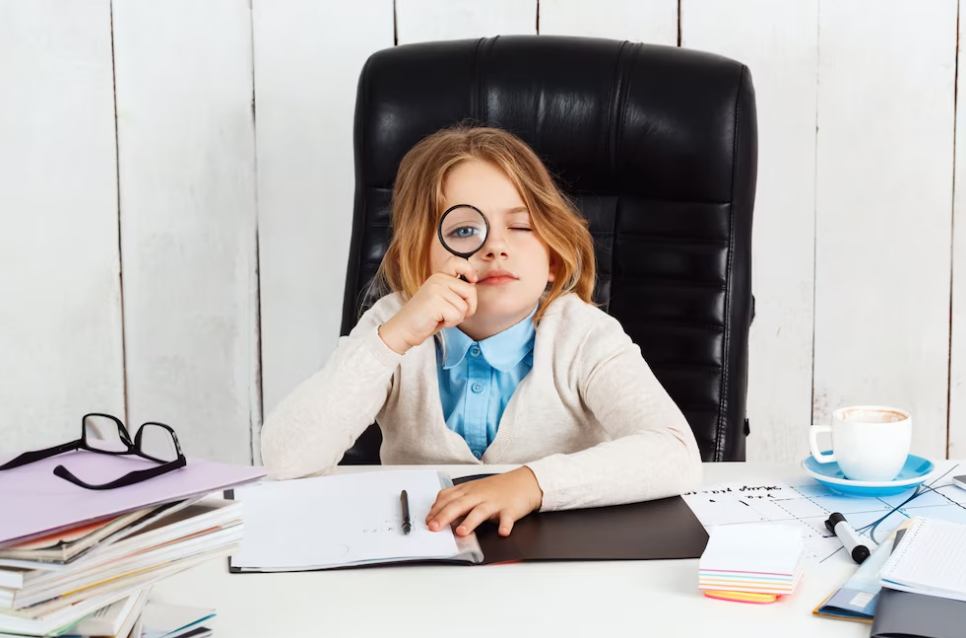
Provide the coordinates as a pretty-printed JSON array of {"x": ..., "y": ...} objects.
[{"x": 869, "y": 442}]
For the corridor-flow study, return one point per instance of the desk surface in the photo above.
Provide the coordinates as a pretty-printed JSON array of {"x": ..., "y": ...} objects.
[{"x": 533, "y": 599}]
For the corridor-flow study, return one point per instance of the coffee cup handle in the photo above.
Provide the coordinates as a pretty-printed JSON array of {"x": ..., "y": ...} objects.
[{"x": 813, "y": 447}]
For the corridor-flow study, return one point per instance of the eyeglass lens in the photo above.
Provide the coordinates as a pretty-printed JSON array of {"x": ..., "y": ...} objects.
[
  {"x": 103, "y": 433},
  {"x": 156, "y": 442}
]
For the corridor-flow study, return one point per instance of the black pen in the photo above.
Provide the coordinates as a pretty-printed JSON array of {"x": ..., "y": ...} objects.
[{"x": 407, "y": 521}]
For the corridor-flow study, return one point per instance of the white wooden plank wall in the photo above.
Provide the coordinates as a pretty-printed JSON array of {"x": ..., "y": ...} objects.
[
  {"x": 884, "y": 205},
  {"x": 423, "y": 20},
  {"x": 60, "y": 307},
  {"x": 308, "y": 56},
  {"x": 957, "y": 367},
  {"x": 186, "y": 145},
  {"x": 655, "y": 21},
  {"x": 779, "y": 43},
  {"x": 236, "y": 178}
]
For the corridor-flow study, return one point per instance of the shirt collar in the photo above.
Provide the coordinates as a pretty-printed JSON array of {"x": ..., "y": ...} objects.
[{"x": 503, "y": 350}]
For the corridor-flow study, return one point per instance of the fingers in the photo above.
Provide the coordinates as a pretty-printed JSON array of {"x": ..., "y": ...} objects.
[
  {"x": 443, "y": 301},
  {"x": 448, "y": 279},
  {"x": 504, "y": 499},
  {"x": 467, "y": 291},
  {"x": 456, "y": 266},
  {"x": 453, "y": 510},
  {"x": 442, "y": 499},
  {"x": 455, "y": 299},
  {"x": 464, "y": 289},
  {"x": 471, "y": 301},
  {"x": 506, "y": 523},
  {"x": 480, "y": 513},
  {"x": 448, "y": 317}
]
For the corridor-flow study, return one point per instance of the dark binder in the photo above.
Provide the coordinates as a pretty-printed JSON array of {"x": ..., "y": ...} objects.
[
  {"x": 661, "y": 529},
  {"x": 900, "y": 614}
]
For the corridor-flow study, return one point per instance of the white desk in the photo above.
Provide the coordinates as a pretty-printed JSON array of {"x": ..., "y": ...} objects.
[{"x": 639, "y": 598}]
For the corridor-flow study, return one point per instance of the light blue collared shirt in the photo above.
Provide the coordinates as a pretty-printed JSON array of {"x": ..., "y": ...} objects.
[{"x": 477, "y": 379}]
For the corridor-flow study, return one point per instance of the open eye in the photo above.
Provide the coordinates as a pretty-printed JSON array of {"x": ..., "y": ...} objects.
[{"x": 463, "y": 232}]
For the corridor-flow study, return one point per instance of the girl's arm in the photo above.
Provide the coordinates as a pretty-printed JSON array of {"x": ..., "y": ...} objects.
[
  {"x": 313, "y": 427},
  {"x": 653, "y": 453}
]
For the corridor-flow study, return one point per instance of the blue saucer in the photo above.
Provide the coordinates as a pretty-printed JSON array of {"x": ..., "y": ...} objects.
[{"x": 913, "y": 473}]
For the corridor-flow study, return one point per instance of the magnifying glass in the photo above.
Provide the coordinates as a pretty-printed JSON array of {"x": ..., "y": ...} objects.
[{"x": 462, "y": 230}]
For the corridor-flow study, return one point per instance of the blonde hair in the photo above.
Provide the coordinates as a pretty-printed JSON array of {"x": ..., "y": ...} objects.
[{"x": 417, "y": 204}]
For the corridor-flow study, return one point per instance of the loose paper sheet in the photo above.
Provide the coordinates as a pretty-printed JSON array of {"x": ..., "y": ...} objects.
[{"x": 809, "y": 504}]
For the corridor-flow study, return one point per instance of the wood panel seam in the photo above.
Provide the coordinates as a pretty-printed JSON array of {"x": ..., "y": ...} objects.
[{"x": 120, "y": 253}]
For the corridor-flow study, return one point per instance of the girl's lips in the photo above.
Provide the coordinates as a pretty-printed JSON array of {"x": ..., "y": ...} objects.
[{"x": 499, "y": 280}]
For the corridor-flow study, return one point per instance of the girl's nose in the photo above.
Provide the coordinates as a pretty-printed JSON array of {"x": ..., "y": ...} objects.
[{"x": 495, "y": 244}]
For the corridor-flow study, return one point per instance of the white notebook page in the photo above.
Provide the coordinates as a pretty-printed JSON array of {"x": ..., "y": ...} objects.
[
  {"x": 337, "y": 520},
  {"x": 930, "y": 558}
]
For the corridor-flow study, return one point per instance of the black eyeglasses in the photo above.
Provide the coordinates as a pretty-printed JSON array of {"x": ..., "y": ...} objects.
[{"x": 105, "y": 434}]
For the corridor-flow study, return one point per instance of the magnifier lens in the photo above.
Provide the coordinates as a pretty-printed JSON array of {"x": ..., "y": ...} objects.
[{"x": 462, "y": 230}]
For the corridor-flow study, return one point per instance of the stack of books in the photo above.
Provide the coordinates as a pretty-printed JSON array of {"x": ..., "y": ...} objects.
[
  {"x": 137, "y": 616},
  {"x": 753, "y": 558},
  {"x": 81, "y": 562}
]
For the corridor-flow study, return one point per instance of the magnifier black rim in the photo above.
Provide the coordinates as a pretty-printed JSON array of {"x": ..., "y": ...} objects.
[{"x": 439, "y": 230}]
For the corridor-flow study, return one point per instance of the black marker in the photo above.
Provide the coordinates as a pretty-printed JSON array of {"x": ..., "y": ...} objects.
[
  {"x": 854, "y": 545},
  {"x": 407, "y": 521}
]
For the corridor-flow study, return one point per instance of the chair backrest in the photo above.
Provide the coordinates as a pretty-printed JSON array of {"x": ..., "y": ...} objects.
[{"x": 658, "y": 148}]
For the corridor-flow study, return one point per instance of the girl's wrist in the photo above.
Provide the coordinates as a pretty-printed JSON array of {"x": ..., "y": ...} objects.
[
  {"x": 536, "y": 493},
  {"x": 392, "y": 339}
]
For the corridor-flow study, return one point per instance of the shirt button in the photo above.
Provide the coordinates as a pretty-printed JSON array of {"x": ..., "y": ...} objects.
[
  {"x": 478, "y": 455},
  {"x": 477, "y": 388},
  {"x": 475, "y": 351}
]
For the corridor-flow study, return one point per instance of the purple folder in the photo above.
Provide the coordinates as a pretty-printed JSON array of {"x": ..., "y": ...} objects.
[{"x": 33, "y": 501}]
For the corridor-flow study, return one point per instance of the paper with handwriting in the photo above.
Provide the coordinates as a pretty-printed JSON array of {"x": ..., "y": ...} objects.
[{"x": 809, "y": 504}]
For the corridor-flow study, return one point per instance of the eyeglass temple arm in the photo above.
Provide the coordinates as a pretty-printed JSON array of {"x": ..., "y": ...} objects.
[
  {"x": 127, "y": 479},
  {"x": 37, "y": 455}
]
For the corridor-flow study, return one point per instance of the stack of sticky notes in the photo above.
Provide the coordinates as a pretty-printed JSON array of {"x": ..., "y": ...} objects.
[{"x": 761, "y": 558}]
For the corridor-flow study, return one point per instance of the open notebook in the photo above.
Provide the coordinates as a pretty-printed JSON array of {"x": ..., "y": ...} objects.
[
  {"x": 355, "y": 519},
  {"x": 349, "y": 519},
  {"x": 930, "y": 559}
]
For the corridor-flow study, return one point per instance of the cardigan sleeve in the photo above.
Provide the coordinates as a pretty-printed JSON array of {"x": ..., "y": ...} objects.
[
  {"x": 652, "y": 452},
  {"x": 313, "y": 427}
]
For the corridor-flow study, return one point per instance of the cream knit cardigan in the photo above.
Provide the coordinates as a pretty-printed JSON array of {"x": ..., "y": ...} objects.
[{"x": 590, "y": 419}]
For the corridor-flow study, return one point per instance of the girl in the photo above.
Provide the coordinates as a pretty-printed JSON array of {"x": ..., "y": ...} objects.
[{"x": 523, "y": 369}]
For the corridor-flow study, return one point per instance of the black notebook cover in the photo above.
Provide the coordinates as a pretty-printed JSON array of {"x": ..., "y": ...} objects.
[{"x": 661, "y": 529}]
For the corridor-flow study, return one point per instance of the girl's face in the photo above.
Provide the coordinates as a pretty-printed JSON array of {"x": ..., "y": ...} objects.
[{"x": 514, "y": 264}]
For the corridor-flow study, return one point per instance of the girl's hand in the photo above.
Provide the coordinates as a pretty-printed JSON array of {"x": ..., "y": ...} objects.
[
  {"x": 443, "y": 301},
  {"x": 503, "y": 498}
]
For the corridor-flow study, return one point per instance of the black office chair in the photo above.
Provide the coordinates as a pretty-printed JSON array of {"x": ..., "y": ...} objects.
[{"x": 658, "y": 148}]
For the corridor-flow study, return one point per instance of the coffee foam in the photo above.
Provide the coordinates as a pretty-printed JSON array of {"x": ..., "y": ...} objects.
[{"x": 866, "y": 415}]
